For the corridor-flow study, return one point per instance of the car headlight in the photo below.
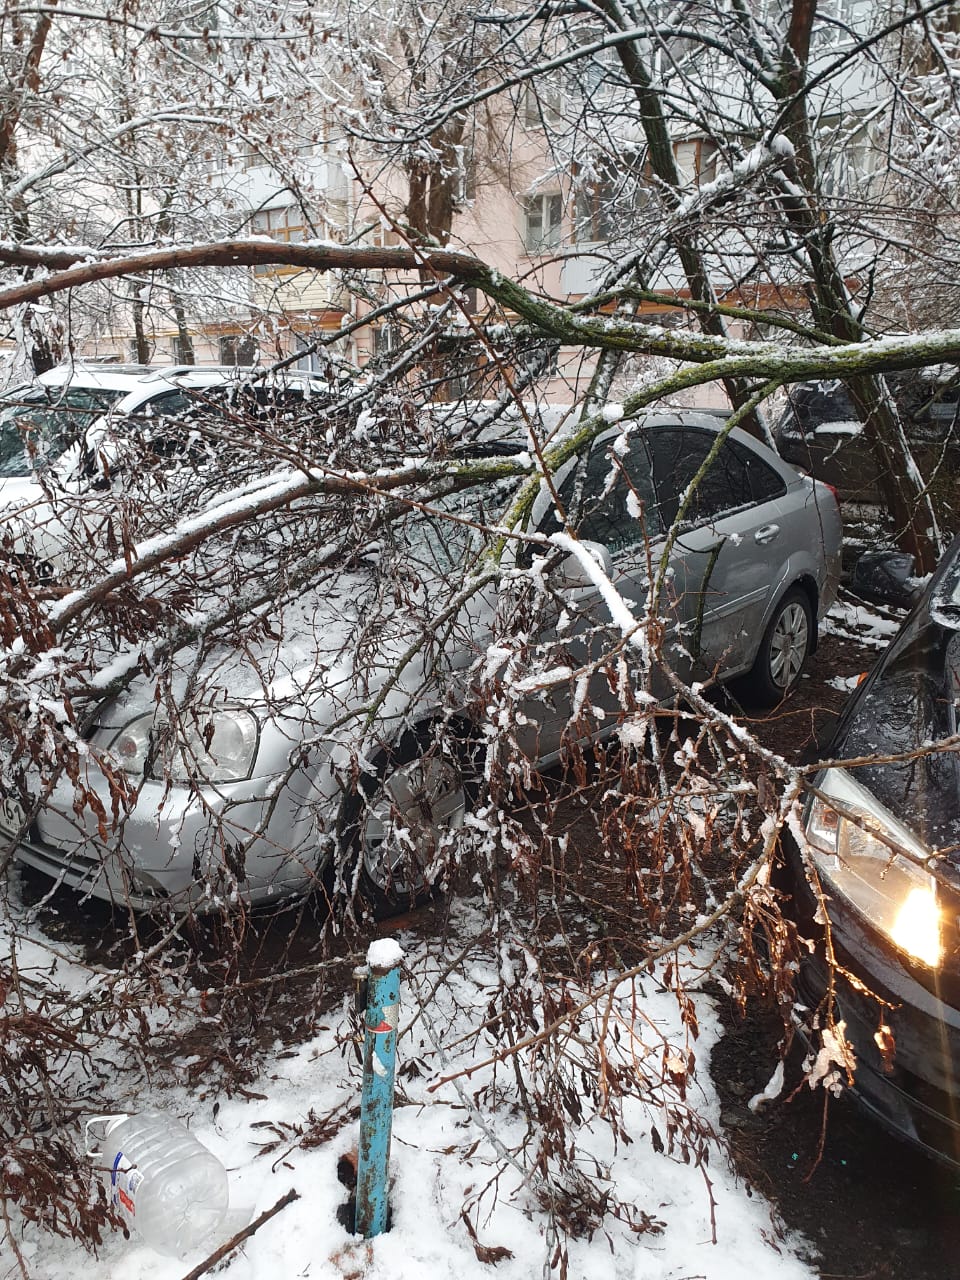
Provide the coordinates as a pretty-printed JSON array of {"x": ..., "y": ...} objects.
[
  {"x": 205, "y": 745},
  {"x": 894, "y": 894}
]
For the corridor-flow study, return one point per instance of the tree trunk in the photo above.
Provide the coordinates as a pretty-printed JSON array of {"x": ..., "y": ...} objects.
[
  {"x": 139, "y": 333},
  {"x": 900, "y": 481},
  {"x": 664, "y": 165},
  {"x": 185, "y": 351}
]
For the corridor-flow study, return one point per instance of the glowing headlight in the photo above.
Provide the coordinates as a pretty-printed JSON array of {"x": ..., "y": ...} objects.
[
  {"x": 206, "y": 745},
  {"x": 894, "y": 894}
]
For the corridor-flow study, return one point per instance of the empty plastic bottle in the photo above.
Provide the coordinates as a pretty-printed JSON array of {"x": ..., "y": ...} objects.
[{"x": 166, "y": 1184}]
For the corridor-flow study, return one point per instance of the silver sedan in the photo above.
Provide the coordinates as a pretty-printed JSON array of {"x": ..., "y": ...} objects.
[{"x": 338, "y": 742}]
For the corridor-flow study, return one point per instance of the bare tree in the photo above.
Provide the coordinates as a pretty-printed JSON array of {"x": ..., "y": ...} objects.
[{"x": 322, "y": 560}]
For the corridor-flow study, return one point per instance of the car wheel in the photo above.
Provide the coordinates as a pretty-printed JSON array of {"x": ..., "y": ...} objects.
[
  {"x": 398, "y": 826},
  {"x": 783, "y": 649}
]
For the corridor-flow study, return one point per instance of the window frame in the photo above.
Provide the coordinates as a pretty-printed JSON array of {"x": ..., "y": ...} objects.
[
  {"x": 549, "y": 205},
  {"x": 240, "y": 341},
  {"x": 285, "y": 232}
]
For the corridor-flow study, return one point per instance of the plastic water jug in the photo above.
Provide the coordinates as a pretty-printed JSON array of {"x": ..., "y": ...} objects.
[{"x": 166, "y": 1184}]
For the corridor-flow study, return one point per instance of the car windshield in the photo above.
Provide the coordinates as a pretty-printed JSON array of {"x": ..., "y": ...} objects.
[
  {"x": 38, "y": 424},
  {"x": 440, "y": 544}
]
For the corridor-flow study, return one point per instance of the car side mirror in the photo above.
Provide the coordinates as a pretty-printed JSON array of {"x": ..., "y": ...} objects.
[
  {"x": 572, "y": 571},
  {"x": 886, "y": 577}
]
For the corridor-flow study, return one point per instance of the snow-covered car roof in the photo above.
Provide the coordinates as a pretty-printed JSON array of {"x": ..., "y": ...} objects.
[{"x": 142, "y": 382}]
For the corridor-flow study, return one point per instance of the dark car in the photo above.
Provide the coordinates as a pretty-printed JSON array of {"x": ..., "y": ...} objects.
[
  {"x": 819, "y": 430},
  {"x": 882, "y": 836}
]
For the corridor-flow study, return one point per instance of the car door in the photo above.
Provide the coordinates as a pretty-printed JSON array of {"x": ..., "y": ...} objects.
[
  {"x": 728, "y": 550},
  {"x": 609, "y": 500}
]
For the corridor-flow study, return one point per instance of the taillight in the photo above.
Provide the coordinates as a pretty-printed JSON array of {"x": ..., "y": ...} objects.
[{"x": 834, "y": 490}]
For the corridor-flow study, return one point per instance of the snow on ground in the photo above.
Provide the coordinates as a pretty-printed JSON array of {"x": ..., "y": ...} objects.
[
  {"x": 848, "y": 618},
  {"x": 845, "y": 684},
  {"x": 444, "y": 1159}
]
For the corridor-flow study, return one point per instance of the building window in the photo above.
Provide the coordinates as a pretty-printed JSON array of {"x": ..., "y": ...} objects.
[
  {"x": 708, "y": 162},
  {"x": 311, "y": 361},
  {"x": 837, "y": 21},
  {"x": 596, "y": 223},
  {"x": 183, "y": 352},
  {"x": 462, "y": 369},
  {"x": 238, "y": 348},
  {"x": 592, "y": 75},
  {"x": 386, "y": 339},
  {"x": 542, "y": 216},
  {"x": 542, "y": 104},
  {"x": 285, "y": 224},
  {"x": 466, "y": 189},
  {"x": 336, "y": 219},
  {"x": 846, "y": 158}
]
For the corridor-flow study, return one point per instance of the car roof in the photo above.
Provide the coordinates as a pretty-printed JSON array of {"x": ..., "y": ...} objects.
[
  {"x": 120, "y": 374},
  {"x": 140, "y": 383},
  {"x": 509, "y": 434}
]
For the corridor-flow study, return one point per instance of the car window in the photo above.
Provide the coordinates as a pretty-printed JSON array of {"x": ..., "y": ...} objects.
[
  {"x": 170, "y": 404},
  {"x": 678, "y": 454},
  {"x": 618, "y": 497},
  {"x": 234, "y": 399},
  {"x": 609, "y": 498},
  {"x": 765, "y": 483},
  {"x": 818, "y": 403},
  {"x": 929, "y": 405},
  {"x": 37, "y": 425}
]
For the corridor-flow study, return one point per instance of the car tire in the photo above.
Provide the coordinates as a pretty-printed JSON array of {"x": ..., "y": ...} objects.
[
  {"x": 395, "y": 826},
  {"x": 786, "y": 642}
]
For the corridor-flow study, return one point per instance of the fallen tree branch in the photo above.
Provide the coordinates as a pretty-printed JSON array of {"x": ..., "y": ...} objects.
[{"x": 239, "y": 1238}]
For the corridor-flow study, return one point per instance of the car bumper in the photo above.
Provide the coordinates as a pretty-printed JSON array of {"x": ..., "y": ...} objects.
[
  {"x": 916, "y": 1094},
  {"x": 180, "y": 852}
]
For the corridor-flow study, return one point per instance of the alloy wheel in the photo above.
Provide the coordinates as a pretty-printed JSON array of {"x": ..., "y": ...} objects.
[
  {"x": 788, "y": 644},
  {"x": 418, "y": 804}
]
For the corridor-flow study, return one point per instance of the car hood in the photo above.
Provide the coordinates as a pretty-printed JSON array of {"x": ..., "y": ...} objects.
[
  {"x": 337, "y": 646},
  {"x": 909, "y": 705}
]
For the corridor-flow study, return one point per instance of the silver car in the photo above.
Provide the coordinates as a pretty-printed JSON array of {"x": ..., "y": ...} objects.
[{"x": 336, "y": 740}]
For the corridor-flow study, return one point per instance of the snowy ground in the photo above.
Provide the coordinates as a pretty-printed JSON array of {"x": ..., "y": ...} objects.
[
  {"x": 445, "y": 1160},
  {"x": 850, "y": 617}
]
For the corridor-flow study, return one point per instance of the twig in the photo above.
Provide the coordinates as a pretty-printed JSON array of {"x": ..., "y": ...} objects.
[
  {"x": 8, "y": 1232},
  {"x": 245, "y": 1234}
]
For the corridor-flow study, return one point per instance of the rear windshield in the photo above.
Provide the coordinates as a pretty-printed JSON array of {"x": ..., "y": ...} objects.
[
  {"x": 929, "y": 405},
  {"x": 37, "y": 424}
]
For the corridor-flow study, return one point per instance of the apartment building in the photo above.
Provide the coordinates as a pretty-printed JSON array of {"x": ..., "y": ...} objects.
[{"x": 555, "y": 189}]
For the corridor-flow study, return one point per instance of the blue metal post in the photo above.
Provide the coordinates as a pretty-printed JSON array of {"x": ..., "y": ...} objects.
[{"x": 376, "y": 1103}]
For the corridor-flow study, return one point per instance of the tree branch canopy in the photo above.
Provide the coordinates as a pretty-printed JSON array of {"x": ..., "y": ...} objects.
[{"x": 70, "y": 268}]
